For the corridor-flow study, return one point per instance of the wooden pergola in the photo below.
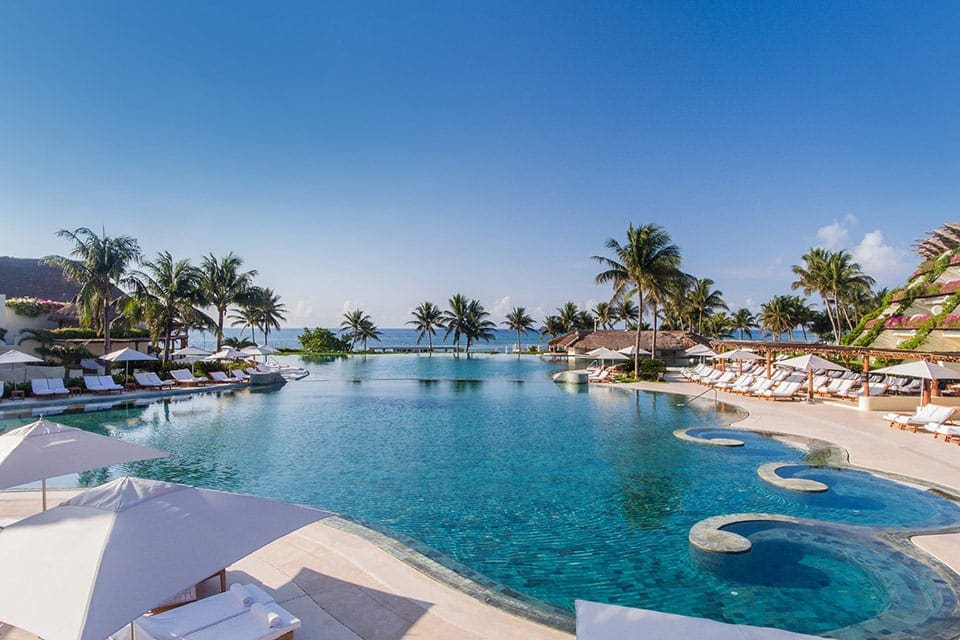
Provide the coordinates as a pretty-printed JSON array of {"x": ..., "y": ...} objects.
[{"x": 837, "y": 352}]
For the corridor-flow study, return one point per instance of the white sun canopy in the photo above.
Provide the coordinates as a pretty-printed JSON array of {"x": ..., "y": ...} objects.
[
  {"x": 88, "y": 567},
  {"x": 596, "y": 621}
]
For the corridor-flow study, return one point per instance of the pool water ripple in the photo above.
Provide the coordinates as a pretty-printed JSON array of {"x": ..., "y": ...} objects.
[{"x": 556, "y": 492}]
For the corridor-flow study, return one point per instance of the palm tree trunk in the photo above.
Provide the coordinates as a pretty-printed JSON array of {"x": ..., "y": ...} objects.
[
  {"x": 220, "y": 314},
  {"x": 833, "y": 325},
  {"x": 653, "y": 347},
  {"x": 636, "y": 342},
  {"x": 518, "y": 343},
  {"x": 104, "y": 318}
]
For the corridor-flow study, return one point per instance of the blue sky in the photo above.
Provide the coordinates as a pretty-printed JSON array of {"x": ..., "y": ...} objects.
[{"x": 381, "y": 154}]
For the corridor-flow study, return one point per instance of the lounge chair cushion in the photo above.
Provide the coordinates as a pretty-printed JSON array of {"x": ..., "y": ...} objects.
[{"x": 202, "y": 614}]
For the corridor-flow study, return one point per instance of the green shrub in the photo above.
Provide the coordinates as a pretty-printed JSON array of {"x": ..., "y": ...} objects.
[
  {"x": 321, "y": 340},
  {"x": 32, "y": 307},
  {"x": 651, "y": 369}
]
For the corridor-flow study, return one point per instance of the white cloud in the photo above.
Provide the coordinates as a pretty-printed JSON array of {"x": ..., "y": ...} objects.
[
  {"x": 350, "y": 305},
  {"x": 832, "y": 236},
  {"x": 502, "y": 306},
  {"x": 886, "y": 263},
  {"x": 303, "y": 314}
]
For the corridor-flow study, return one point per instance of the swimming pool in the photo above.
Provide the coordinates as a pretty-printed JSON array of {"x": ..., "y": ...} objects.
[{"x": 558, "y": 492}]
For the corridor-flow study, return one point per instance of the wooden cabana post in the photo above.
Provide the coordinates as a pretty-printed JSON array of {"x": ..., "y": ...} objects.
[{"x": 866, "y": 375}]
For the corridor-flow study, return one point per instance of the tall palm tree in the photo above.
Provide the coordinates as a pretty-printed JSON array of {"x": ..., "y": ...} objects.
[
  {"x": 629, "y": 313},
  {"x": 353, "y": 326},
  {"x": 478, "y": 327},
  {"x": 603, "y": 314},
  {"x": 704, "y": 300},
  {"x": 165, "y": 294},
  {"x": 270, "y": 311},
  {"x": 518, "y": 320},
  {"x": 427, "y": 318},
  {"x": 456, "y": 319},
  {"x": 99, "y": 264},
  {"x": 224, "y": 284},
  {"x": 552, "y": 326},
  {"x": 368, "y": 331},
  {"x": 645, "y": 265},
  {"x": 775, "y": 316},
  {"x": 569, "y": 315},
  {"x": 836, "y": 278},
  {"x": 743, "y": 321}
]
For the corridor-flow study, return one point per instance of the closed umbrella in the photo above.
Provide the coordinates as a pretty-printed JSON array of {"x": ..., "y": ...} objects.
[
  {"x": 45, "y": 449},
  {"x": 810, "y": 363},
  {"x": 90, "y": 566},
  {"x": 127, "y": 355},
  {"x": 920, "y": 369}
]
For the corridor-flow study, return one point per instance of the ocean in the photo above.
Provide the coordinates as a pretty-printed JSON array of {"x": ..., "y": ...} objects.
[{"x": 504, "y": 340}]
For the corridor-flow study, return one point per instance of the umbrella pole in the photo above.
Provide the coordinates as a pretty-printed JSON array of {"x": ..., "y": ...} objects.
[{"x": 43, "y": 493}]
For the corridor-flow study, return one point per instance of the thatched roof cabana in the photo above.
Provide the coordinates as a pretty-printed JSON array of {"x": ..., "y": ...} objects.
[{"x": 669, "y": 343}]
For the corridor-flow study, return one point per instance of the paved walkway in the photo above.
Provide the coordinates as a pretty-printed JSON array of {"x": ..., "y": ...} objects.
[{"x": 346, "y": 587}]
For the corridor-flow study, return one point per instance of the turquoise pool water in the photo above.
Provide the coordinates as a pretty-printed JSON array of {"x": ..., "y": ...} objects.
[{"x": 557, "y": 492}]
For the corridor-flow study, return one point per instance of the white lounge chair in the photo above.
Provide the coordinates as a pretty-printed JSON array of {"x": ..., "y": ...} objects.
[
  {"x": 928, "y": 414},
  {"x": 150, "y": 380},
  {"x": 783, "y": 391},
  {"x": 94, "y": 384},
  {"x": 107, "y": 383},
  {"x": 240, "y": 375},
  {"x": 183, "y": 376},
  {"x": 267, "y": 621},
  {"x": 185, "y": 620},
  {"x": 220, "y": 376},
  {"x": 38, "y": 386}
]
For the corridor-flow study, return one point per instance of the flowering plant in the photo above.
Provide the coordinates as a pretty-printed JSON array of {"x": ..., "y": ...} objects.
[{"x": 32, "y": 307}]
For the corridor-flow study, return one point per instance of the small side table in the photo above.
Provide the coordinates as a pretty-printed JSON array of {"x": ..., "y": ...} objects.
[
  {"x": 17, "y": 394},
  {"x": 130, "y": 386},
  {"x": 75, "y": 391}
]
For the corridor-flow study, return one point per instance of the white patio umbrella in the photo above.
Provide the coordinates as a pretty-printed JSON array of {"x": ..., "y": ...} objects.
[
  {"x": 13, "y": 357},
  {"x": 259, "y": 350},
  {"x": 90, "y": 566},
  {"x": 45, "y": 449},
  {"x": 127, "y": 355},
  {"x": 632, "y": 350},
  {"x": 603, "y": 353},
  {"x": 227, "y": 353},
  {"x": 597, "y": 621},
  {"x": 190, "y": 351},
  {"x": 920, "y": 369},
  {"x": 810, "y": 363},
  {"x": 739, "y": 355},
  {"x": 700, "y": 351}
]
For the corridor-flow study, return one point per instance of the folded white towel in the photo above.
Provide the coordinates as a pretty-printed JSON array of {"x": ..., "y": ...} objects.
[
  {"x": 267, "y": 617},
  {"x": 244, "y": 597}
]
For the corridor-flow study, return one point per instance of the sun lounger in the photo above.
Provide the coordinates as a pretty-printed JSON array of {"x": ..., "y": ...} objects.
[
  {"x": 183, "y": 376},
  {"x": 220, "y": 376},
  {"x": 783, "y": 391},
  {"x": 267, "y": 621},
  {"x": 38, "y": 386},
  {"x": 928, "y": 414},
  {"x": 875, "y": 390},
  {"x": 604, "y": 376},
  {"x": 949, "y": 432},
  {"x": 209, "y": 612},
  {"x": 97, "y": 384},
  {"x": 150, "y": 380},
  {"x": 240, "y": 375}
]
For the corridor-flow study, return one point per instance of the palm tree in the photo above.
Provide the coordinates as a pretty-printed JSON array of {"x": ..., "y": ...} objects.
[
  {"x": 801, "y": 314},
  {"x": 719, "y": 325},
  {"x": 569, "y": 315},
  {"x": 628, "y": 311},
  {"x": 456, "y": 319},
  {"x": 478, "y": 327},
  {"x": 836, "y": 278},
  {"x": 743, "y": 321},
  {"x": 353, "y": 326},
  {"x": 224, "y": 284},
  {"x": 519, "y": 321},
  {"x": 100, "y": 264},
  {"x": 427, "y": 318},
  {"x": 270, "y": 311},
  {"x": 552, "y": 326},
  {"x": 368, "y": 331},
  {"x": 603, "y": 315},
  {"x": 166, "y": 295},
  {"x": 646, "y": 264},
  {"x": 704, "y": 301},
  {"x": 775, "y": 316}
]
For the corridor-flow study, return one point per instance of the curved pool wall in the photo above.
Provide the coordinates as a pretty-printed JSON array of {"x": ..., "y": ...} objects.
[{"x": 554, "y": 492}]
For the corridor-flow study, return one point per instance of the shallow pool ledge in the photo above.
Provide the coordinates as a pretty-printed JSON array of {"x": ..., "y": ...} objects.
[
  {"x": 708, "y": 535},
  {"x": 683, "y": 434},
  {"x": 768, "y": 472}
]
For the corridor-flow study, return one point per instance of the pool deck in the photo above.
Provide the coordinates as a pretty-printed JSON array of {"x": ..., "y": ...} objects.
[{"x": 348, "y": 585}]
